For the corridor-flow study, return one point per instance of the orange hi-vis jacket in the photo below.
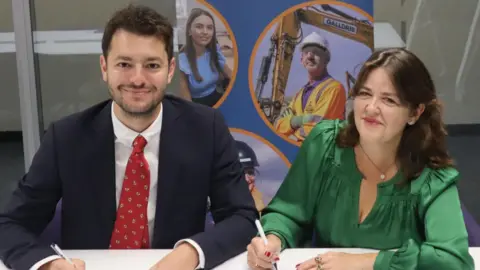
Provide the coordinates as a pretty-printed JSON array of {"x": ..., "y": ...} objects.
[{"x": 327, "y": 101}]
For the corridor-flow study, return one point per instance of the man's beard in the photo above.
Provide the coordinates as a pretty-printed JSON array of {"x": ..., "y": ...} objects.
[{"x": 146, "y": 112}]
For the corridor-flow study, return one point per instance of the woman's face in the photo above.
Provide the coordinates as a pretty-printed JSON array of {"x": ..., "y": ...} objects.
[
  {"x": 379, "y": 115},
  {"x": 202, "y": 30}
]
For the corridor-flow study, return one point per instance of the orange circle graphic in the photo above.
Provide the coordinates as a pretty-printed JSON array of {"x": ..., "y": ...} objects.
[
  {"x": 261, "y": 38},
  {"x": 263, "y": 140}
]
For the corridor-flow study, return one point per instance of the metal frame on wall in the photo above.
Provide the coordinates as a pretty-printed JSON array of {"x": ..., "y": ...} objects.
[{"x": 29, "y": 102}]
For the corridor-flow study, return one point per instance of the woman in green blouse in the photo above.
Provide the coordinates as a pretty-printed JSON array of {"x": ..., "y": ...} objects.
[{"x": 380, "y": 180}]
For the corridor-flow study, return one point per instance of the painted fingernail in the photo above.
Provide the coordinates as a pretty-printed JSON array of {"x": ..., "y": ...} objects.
[
  {"x": 267, "y": 253},
  {"x": 277, "y": 259}
]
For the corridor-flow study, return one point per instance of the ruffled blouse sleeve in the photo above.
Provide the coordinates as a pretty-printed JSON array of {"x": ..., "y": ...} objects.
[{"x": 446, "y": 239}]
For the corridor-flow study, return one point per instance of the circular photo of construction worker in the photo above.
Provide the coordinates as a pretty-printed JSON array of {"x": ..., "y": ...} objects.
[
  {"x": 304, "y": 64},
  {"x": 264, "y": 166},
  {"x": 207, "y": 54}
]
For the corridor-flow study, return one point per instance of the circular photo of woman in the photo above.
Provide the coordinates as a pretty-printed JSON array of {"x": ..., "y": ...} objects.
[
  {"x": 207, "y": 55},
  {"x": 304, "y": 64}
]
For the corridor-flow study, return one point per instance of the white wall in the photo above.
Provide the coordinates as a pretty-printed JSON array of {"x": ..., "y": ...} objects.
[{"x": 438, "y": 34}]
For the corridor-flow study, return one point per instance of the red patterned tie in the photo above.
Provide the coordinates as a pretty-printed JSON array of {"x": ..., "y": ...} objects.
[{"x": 131, "y": 225}]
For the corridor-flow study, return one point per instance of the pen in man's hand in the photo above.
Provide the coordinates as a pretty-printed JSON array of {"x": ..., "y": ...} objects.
[
  {"x": 264, "y": 238},
  {"x": 60, "y": 253}
]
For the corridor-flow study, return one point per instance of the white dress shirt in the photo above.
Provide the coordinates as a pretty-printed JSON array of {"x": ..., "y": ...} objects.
[{"x": 124, "y": 138}]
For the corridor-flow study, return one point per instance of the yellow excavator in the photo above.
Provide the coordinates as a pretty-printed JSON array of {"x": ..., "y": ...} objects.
[{"x": 288, "y": 35}]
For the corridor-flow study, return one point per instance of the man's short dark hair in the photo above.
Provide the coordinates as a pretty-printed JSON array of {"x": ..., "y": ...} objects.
[{"x": 139, "y": 20}]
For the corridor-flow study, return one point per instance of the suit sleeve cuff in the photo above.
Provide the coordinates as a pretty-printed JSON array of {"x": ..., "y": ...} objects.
[
  {"x": 44, "y": 261},
  {"x": 201, "y": 256}
]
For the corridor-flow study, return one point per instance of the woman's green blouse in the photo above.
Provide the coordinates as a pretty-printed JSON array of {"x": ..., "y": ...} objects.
[{"x": 415, "y": 226}]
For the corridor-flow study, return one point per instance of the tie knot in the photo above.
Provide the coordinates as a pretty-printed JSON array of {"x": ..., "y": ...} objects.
[{"x": 139, "y": 143}]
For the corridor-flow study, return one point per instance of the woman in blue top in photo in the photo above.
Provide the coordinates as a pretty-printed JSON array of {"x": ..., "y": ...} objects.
[{"x": 204, "y": 72}]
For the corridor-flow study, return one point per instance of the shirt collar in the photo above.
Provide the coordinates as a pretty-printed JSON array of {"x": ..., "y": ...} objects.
[
  {"x": 126, "y": 135},
  {"x": 317, "y": 82}
]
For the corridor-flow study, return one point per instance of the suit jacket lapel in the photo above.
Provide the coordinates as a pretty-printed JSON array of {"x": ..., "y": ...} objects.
[
  {"x": 102, "y": 168},
  {"x": 168, "y": 167}
]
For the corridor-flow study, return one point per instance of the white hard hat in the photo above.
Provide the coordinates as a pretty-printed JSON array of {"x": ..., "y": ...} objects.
[{"x": 316, "y": 39}]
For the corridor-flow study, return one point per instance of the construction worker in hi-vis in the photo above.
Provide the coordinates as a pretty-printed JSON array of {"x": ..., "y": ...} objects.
[{"x": 322, "y": 97}]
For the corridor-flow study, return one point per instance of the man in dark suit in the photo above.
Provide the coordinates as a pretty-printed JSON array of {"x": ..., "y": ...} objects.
[{"x": 134, "y": 171}]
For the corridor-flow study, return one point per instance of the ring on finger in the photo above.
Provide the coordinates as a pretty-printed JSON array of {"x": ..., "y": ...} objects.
[{"x": 318, "y": 260}]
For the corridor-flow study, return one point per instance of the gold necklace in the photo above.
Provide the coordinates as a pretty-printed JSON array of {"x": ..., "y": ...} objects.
[{"x": 382, "y": 174}]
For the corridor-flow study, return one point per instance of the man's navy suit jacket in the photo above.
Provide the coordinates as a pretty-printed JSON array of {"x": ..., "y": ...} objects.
[{"x": 76, "y": 163}]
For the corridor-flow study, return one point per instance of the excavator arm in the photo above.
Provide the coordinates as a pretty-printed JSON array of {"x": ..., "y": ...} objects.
[
  {"x": 350, "y": 28},
  {"x": 287, "y": 37},
  {"x": 283, "y": 43}
]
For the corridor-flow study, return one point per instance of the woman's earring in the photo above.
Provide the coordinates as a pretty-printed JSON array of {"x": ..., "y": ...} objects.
[{"x": 411, "y": 122}]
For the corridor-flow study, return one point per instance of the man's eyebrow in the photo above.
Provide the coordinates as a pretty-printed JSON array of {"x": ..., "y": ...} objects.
[{"x": 148, "y": 59}]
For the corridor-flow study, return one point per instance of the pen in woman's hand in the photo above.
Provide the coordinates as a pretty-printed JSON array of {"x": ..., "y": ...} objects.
[{"x": 264, "y": 238}]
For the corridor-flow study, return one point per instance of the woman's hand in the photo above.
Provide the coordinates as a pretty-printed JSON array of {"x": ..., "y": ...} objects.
[
  {"x": 339, "y": 261},
  {"x": 261, "y": 256}
]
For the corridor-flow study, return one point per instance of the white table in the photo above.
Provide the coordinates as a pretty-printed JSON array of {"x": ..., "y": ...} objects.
[
  {"x": 144, "y": 259},
  {"x": 291, "y": 257}
]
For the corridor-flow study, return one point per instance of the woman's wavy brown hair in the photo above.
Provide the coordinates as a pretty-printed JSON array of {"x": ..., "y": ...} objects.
[{"x": 423, "y": 144}]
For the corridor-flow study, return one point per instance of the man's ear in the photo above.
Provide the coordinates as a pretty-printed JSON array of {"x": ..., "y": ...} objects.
[
  {"x": 171, "y": 69},
  {"x": 103, "y": 67}
]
